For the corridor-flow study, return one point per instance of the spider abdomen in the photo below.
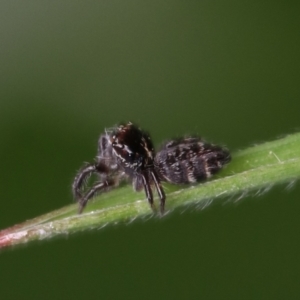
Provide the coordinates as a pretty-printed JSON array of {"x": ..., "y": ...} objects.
[{"x": 189, "y": 160}]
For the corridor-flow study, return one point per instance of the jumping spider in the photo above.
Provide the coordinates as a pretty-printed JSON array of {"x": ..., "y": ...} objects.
[{"x": 126, "y": 151}]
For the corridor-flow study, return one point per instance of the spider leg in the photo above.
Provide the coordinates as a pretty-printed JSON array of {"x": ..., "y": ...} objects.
[
  {"x": 83, "y": 175},
  {"x": 80, "y": 179},
  {"x": 160, "y": 191},
  {"x": 92, "y": 191},
  {"x": 148, "y": 190}
]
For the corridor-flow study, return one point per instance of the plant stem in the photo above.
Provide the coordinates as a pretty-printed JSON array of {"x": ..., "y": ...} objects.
[{"x": 256, "y": 168}]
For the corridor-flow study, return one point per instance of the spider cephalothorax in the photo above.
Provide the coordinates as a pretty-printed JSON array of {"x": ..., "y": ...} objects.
[
  {"x": 132, "y": 148},
  {"x": 126, "y": 151}
]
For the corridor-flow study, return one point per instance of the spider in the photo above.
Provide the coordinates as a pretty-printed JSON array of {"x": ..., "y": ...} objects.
[{"x": 126, "y": 151}]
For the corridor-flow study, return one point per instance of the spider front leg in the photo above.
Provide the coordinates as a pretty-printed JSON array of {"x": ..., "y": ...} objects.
[
  {"x": 81, "y": 179},
  {"x": 93, "y": 190}
]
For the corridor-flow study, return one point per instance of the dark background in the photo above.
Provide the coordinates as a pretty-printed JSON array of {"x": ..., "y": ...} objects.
[{"x": 228, "y": 70}]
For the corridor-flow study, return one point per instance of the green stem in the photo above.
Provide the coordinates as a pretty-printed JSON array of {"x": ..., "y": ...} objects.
[{"x": 255, "y": 168}]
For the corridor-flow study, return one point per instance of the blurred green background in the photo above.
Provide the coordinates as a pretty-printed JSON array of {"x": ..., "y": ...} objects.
[{"x": 228, "y": 70}]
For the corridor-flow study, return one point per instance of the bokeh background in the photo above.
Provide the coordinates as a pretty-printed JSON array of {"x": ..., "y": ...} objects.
[{"x": 228, "y": 70}]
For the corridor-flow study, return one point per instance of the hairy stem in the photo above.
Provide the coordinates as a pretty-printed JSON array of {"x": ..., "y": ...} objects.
[{"x": 254, "y": 169}]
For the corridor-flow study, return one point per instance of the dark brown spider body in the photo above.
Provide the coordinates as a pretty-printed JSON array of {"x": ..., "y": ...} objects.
[{"x": 127, "y": 151}]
